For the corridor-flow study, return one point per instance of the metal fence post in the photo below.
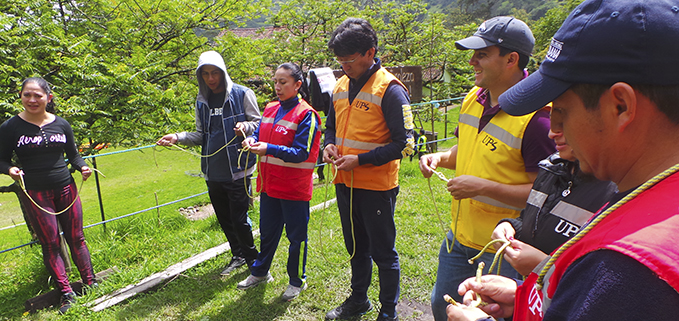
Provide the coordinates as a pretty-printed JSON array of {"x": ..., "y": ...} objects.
[{"x": 96, "y": 180}]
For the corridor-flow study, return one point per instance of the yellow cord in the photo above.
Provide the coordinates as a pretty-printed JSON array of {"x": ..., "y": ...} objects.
[
  {"x": 442, "y": 177},
  {"x": 245, "y": 177},
  {"x": 496, "y": 258},
  {"x": 351, "y": 216},
  {"x": 449, "y": 247},
  {"x": 213, "y": 154},
  {"x": 23, "y": 188},
  {"x": 240, "y": 154}
]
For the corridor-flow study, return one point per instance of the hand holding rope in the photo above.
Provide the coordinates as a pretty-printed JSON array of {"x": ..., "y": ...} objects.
[{"x": 77, "y": 197}]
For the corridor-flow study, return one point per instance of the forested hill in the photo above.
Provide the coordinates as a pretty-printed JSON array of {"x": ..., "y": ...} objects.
[
  {"x": 461, "y": 11},
  {"x": 534, "y": 9}
]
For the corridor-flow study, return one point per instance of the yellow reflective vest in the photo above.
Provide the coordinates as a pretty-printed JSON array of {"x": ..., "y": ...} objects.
[
  {"x": 360, "y": 128},
  {"x": 494, "y": 153}
]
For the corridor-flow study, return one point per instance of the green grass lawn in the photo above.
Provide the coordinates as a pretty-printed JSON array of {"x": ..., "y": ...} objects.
[{"x": 150, "y": 242}]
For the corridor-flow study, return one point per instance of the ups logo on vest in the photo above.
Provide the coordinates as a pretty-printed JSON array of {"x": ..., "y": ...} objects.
[
  {"x": 280, "y": 129},
  {"x": 490, "y": 142},
  {"x": 362, "y": 105}
]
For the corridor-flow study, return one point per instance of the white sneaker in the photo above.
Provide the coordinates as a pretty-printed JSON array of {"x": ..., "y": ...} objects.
[
  {"x": 254, "y": 281},
  {"x": 292, "y": 292}
]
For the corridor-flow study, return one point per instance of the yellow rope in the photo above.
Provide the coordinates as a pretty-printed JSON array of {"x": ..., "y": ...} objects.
[
  {"x": 351, "y": 216},
  {"x": 496, "y": 258},
  {"x": 449, "y": 247},
  {"x": 240, "y": 154},
  {"x": 213, "y": 154},
  {"x": 442, "y": 177},
  {"x": 77, "y": 196},
  {"x": 647, "y": 185}
]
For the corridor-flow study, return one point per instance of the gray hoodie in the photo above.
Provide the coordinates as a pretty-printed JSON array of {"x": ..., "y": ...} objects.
[{"x": 240, "y": 105}]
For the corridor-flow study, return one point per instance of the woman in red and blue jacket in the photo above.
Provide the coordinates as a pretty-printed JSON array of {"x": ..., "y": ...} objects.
[{"x": 288, "y": 143}]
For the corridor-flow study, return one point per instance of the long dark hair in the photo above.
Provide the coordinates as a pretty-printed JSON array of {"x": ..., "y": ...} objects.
[
  {"x": 296, "y": 74},
  {"x": 45, "y": 86}
]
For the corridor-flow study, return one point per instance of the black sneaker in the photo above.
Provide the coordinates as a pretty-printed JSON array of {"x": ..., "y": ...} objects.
[
  {"x": 66, "y": 301},
  {"x": 89, "y": 288},
  {"x": 348, "y": 309},
  {"x": 386, "y": 317},
  {"x": 235, "y": 263}
]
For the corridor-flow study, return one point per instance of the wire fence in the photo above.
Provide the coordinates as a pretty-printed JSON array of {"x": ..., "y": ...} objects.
[{"x": 434, "y": 104}]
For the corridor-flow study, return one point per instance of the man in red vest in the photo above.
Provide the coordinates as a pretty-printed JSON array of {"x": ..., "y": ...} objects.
[{"x": 611, "y": 72}]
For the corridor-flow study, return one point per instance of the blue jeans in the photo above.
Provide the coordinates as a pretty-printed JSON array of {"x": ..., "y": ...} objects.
[{"x": 454, "y": 268}]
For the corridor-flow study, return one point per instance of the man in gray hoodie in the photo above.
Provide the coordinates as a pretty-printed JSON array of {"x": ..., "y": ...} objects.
[{"x": 224, "y": 111}]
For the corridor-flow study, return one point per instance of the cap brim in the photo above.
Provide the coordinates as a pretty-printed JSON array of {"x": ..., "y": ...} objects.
[
  {"x": 531, "y": 94},
  {"x": 473, "y": 43}
]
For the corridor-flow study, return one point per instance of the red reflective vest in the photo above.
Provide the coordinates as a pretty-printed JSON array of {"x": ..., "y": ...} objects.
[
  {"x": 644, "y": 228},
  {"x": 279, "y": 179}
]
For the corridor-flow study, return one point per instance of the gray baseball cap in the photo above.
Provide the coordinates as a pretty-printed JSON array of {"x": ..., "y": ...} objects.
[{"x": 507, "y": 32}]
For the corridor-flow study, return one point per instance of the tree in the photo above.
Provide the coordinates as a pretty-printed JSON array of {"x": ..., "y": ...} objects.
[
  {"x": 396, "y": 25},
  {"x": 545, "y": 28},
  {"x": 121, "y": 70},
  {"x": 305, "y": 26}
]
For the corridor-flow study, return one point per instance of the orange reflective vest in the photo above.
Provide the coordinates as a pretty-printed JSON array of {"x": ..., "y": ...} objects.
[
  {"x": 494, "y": 153},
  {"x": 360, "y": 127},
  {"x": 280, "y": 179}
]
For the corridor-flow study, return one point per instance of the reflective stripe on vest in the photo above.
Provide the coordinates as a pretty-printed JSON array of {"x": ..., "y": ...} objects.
[
  {"x": 356, "y": 144},
  {"x": 493, "y": 129},
  {"x": 277, "y": 161},
  {"x": 494, "y": 153},
  {"x": 570, "y": 212},
  {"x": 282, "y": 122},
  {"x": 537, "y": 198},
  {"x": 494, "y": 202}
]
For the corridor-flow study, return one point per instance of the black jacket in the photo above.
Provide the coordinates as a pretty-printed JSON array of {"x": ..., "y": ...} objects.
[{"x": 561, "y": 200}]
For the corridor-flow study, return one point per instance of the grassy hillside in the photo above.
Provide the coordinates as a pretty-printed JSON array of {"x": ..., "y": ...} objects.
[{"x": 150, "y": 242}]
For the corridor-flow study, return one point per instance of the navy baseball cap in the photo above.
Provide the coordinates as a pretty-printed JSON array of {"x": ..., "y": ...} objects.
[
  {"x": 507, "y": 32},
  {"x": 604, "y": 42}
]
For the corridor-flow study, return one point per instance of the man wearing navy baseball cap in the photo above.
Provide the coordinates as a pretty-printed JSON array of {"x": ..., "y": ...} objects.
[
  {"x": 612, "y": 74},
  {"x": 496, "y": 158}
]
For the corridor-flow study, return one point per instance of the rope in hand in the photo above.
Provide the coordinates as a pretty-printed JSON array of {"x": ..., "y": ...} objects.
[
  {"x": 442, "y": 177},
  {"x": 246, "y": 149},
  {"x": 351, "y": 216},
  {"x": 497, "y": 259},
  {"x": 479, "y": 271},
  {"x": 240, "y": 154},
  {"x": 77, "y": 196},
  {"x": 213, "y": 154},
  {"x": 477, "y": 302}
]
